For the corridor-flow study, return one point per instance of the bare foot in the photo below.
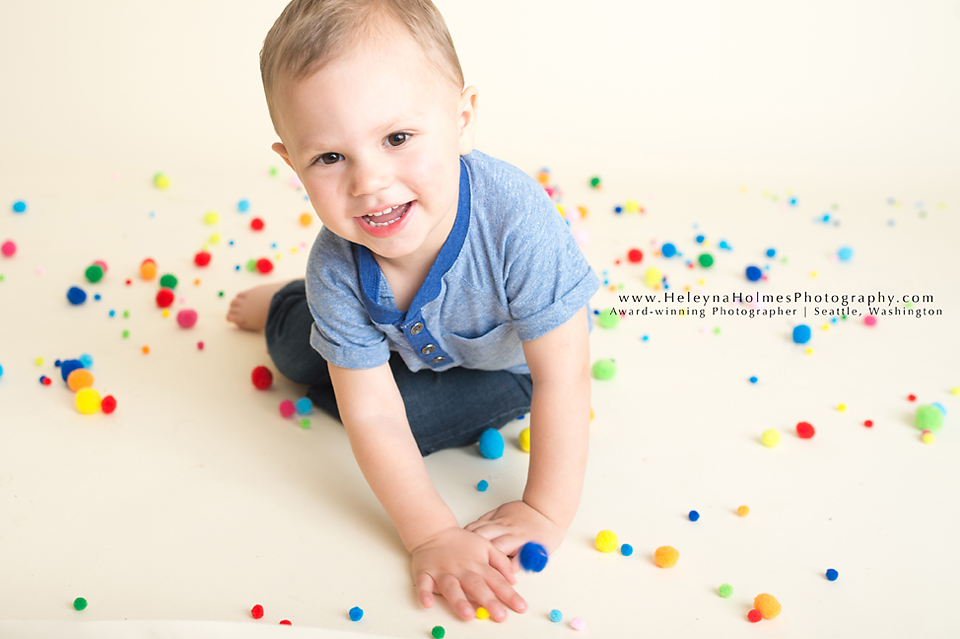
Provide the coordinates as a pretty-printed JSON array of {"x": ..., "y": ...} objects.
[{"x": 248, "y": 310}]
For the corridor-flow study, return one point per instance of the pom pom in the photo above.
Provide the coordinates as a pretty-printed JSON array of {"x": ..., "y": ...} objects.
[
  {"x": 169, "y": 281},
  {"x": 525, "y": 440},
  {"x": 634, "y": 255},
  {"x": 666, "y": 556},
  {"x": 694, "y": 515},
  {"x": 482, "y": 485},
  {"x": 801, "y": 334},
  {"x": 608, "y": 318},
  {"x": 256, "y": 224},
  {"x": 768, "y": 605},
  {"x": 604, "y": 369},
  {"x": 356, "y": 613},
  {"x": 491, "y": 444},
  {"x": 287, "y": 409},
  {"x": 79, "y": 378},
  {"x": 94, "y": 273},
  {"x": 482, "y": 613},
  {"x": 68, "y": 366},
  {"x": 79, "y": 603},
  {"x": 285, "y": 622},
  {"x": 187, "y": 318},
  {"x": 578, "y": 623},
  {"x": 832, "y": 574},
  {"x": 556, "y": 616},
  {"x": 8, "y": 248},
  {"x": 305, "y": 220},
  {"x": 261, "y": 377},
  {"x": 202, "y": 258},
  {"x": 304, "y": 406},
  {"x": 148, "y": 269},
  {"x": 668, "y": 250},
  {"x": 928, "y": 417},
  {"x": 264, "y": 265},
  {"x": 743, "y": 511},
  {"x": 161, "y": 181},
  {"x": 653, "y": 277},
  {"x": 257, "y": 611},
  {"x": 88, "y": 401},
  {"x": 438, "y": 632},
  {"x": 706, "y": 260},
  {"x": 626, "y": 550},
  {"x": 754, "y": 616},
  {"x": 76, "y": 295},
  {"x": 164, "y": 298},
  {"x": 770, "y": 438},
  {"x": 533, "y": 557},
  {"x": 108, "y": 404},
  {"x": 754, "y": 273},
  {"x": 805, "y": 430},
  {"x": 606, "y": 541},
  {"x": 726, "y": 591}
]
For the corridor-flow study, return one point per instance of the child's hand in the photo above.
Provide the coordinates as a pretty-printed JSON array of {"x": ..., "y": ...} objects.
[
  {"x": 458, "y": 564},
  {"x": 515, "y": 523}
]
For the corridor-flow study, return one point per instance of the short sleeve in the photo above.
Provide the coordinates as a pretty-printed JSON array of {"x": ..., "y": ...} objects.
[
  {"x": 546, "y": 275},
  {"x": 342, "y": 333}
]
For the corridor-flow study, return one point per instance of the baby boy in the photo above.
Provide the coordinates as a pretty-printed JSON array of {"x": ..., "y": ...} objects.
[{"x": 443, "y": 296}]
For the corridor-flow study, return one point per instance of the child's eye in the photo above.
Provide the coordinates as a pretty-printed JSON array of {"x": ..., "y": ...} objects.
[
  {"x": 396, "y": 139},
  {"x": 329, "y": 158}
]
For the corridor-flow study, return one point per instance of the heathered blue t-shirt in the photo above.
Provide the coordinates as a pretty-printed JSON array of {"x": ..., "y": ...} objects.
[{"x": 510, "y": 271}]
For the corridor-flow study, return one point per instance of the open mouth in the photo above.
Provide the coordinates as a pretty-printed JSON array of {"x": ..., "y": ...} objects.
[{"x": 388, "y": 216}]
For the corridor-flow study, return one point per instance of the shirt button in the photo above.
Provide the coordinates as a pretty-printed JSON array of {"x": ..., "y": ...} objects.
[
  {"x": 429, "y": 348},
  {"x": 416, "y": 328},
  {"x": 437, "y": 359}
]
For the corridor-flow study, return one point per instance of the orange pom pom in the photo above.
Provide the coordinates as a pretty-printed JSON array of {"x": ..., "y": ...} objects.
[
  {"x": 79, "y": 378},
  {"x": 768, "y": 605},
  {"x": 666, "y": 556}
]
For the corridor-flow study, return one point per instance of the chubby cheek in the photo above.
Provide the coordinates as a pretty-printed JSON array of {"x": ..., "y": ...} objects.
[{"x": 434, "y": 176}]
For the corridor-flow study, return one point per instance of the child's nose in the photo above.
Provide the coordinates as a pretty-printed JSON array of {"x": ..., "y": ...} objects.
[{"x": 371, "y": 175}]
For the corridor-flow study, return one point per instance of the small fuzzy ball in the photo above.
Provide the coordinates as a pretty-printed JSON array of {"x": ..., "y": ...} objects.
[
  {"x": 928, "y": 417},
  {"x": 604, "y": 369},
  {"x": 653, "y": 277},
  {"x": 165, "y": 298},
  {"x": 491, "y": 444},
  {"x": 668, "y": 250},
  {"x": 768, "y": 605},
  {"x": 801, "y": 334},
  {"x": 666, "y": 556},
  {"x": 832, "y": 574},
  {"x": 79, "y": 603},
  {"x": 79, "y": 378},
  {"x": 754, "y": 273},
  {"x": 754, "y": 616},
  {"x": 256, "y": 224},
  {"x": 76, "y": 295},
  {"x": 556, "y": 616},
  {"x": 169, "y": 281},
  {"x": 108, "y": 404},
  {"x": 626, "y": 550},
  {"x": 706, "y": 260},
  {"x": 482, "y": 613},
  {"x": 438, "y": 632},
  {"x": 578, "y": 623},
  {"x": 211, "y": 217},
  {"x": 286, "y": 622},
  {"x": 927, "y": 437},
  {"x": 94, "y": 273},
  {"x": 88, "y": 401},
  {"x": 86, "y": 360},
  {"x": 202, "y": 258},
  {"x": 606, "y": 541},
  {"x": 608, "y": 318},
  {"x": 870, "y": 320},
  {"x": 482, "y": 485},
  {"x": 743, "y": 511},
  {"x": 770, "y": 438},
  {"x": 161, "y": 181},
  {"x": 634, "y": 255},
  {"x": 845, "y": 253},
  {"x": 304, "y": 406},
  {"x": 726, "y": 591},
  {"x": 257, "y": 611},
  {"x": 264, "y": 265},
  {"x": 533, "y": 557},
  {"x": 8, "y": 248},
  {"x": 287, "y": 409},
  {"x": 805, "y": 430},
  {"x": 68, "y": 366},
  {"x": 305, "y": 220},
  {"x": 524, "y": 439},
  {"x": 356, "y": 613},
  {"x": 261, "y": 377},
  {"x": 148, "y": 269},
  {"x": 694, "y": 515},
  {"x": 187, "y": 318}
]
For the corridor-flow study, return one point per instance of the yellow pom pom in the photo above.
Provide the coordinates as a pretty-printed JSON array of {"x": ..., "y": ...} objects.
[
  {"x": 768, "y": 605},
  {"x": 39, "y": 362},
  {"x": 212, "y": 217},
  {"x": 770, "y": 438},
  {"x": 666, "y": 556},
  {"x": 482, "y": 613},
  {"x": 842, "y": 407},
  {"x": 88, "y": 401},
  {"x": 743, "y": 511},
  {"x": 166, "y": 312},
  {"x": 953, "y": 391},
  {"x": 305, "y": 219},
  {"x": 591, "y": 413},
  {"x": 926, "y": 437},
  {"x": 653, "y": 277},
  {"x": 161, "y": 181},
  {"x": 215, "y": 238},
  {"x": 809, "y": 351},
  {"x": 543, "y": 177},
  {"x": 583, "y": 211},
  {"x": 79, "y": 378},
  {"x": 631, "y": 206},
  {"x": 607, "y": 541},
  {"x": 525, "y": 440}
]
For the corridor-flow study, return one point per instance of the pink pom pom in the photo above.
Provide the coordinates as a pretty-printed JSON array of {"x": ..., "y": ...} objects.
[
  {"x": 287, "y": 409},
  {"x": 186, "y": 318},
  {"x": 870, "y": 320}
]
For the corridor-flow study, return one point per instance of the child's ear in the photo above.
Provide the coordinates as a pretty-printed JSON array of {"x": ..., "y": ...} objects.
[
  {"x": 282, "y": 152},
  {"x": 467, "y": 118}
]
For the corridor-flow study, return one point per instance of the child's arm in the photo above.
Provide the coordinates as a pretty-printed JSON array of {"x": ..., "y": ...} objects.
[
  {"x": 559, "y": 364},
  {"x": 447, "y": 560}
]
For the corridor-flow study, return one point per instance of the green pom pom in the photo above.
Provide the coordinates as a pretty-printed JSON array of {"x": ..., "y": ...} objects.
[
  {"x": 609, "y": 318},
  {"x": 706, "y": 260},
  {"x": 929, "y": 418},
  {"x": 604, "y": 369},
  {"x": 726, "y": 591},
  {"x": 168, "y": 281},
  {"x": 438, "y": 632},
  {"x": 252, "y": 265},
  {"x": 94, "y": 273},
  {"x": 79, "y": 603}
]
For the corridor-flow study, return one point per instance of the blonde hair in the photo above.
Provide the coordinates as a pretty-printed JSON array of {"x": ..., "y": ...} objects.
[{"x": 309, "y": 34}]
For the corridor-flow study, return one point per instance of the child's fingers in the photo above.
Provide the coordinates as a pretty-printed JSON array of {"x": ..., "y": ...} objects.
[
  {"x": 503, "y": 590},
  {"x": 426, "y": 586},
  {"x": 477, "y": 587},
  {"x": 449, "y": 587},
  {"x": 501, "y": 563}
]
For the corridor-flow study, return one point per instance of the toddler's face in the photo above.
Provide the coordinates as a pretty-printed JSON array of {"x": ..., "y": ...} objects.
[{"x": 376, "y": 137}]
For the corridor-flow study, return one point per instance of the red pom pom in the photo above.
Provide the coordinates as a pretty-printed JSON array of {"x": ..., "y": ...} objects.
[
  {"x": 262, "y": 377},
  {"x": 634, "y": 255},
  {"x": 164, "y": 298},
  {"x": 264, "y": 265},
  {"x": 285, "y": 622},
  {"x": 754, "y": 616},
  {"x": 257, "y": 611},
  {"x": 868, "y": 423},
  {"x": 912, "y": 397},
  {"x": 202, "y": 258},
  {"x": 256, "y": 224},
  {"x": 108, "y": 404},
  {"x": 200, "y": 345},
  {"x": 805, "y": 430},
  {"x": 46, "y": 381}
]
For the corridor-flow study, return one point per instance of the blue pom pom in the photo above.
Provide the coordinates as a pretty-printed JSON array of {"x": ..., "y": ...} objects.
[
  {"x": 1, "y": 371},
  {"x": 845, "y": 253},
  {"x": 694, "y": 515},
  {"x": 533, "y": 557},
  {"x": 700, "y": 239},
  {"x": 832, "y": 574},
  {"x": 771, "y": 252},
  {"x": 556, "y": 616},
  {"x": 668, "y": 250},
  {"x": 801, "y": 334},
  {"x": 356, "y": 613},
  {"x": 243, "y": 205},
  {"x": 76, "y": 295},
  {"x": 86, "y": 360},
  {"x": 304, "y": 406},
  {"x": 754, "y": 273},
  {"x": 68, "y": 366},
  {"x": 19, "y": 206},
  {"x": 753, "y": 380},
  {"x": 482, "y": 485},
  {"x": 626, "y": 550},
  {"x": 491, "y": 444}
]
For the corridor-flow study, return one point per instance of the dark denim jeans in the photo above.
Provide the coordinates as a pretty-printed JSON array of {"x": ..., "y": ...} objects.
[{"x": 444, "y": 409}]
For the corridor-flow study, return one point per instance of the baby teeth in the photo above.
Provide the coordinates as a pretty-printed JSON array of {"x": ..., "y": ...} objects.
[
  {"x": 384, "y": 211},
  {"x": 382, "y": 224}
]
